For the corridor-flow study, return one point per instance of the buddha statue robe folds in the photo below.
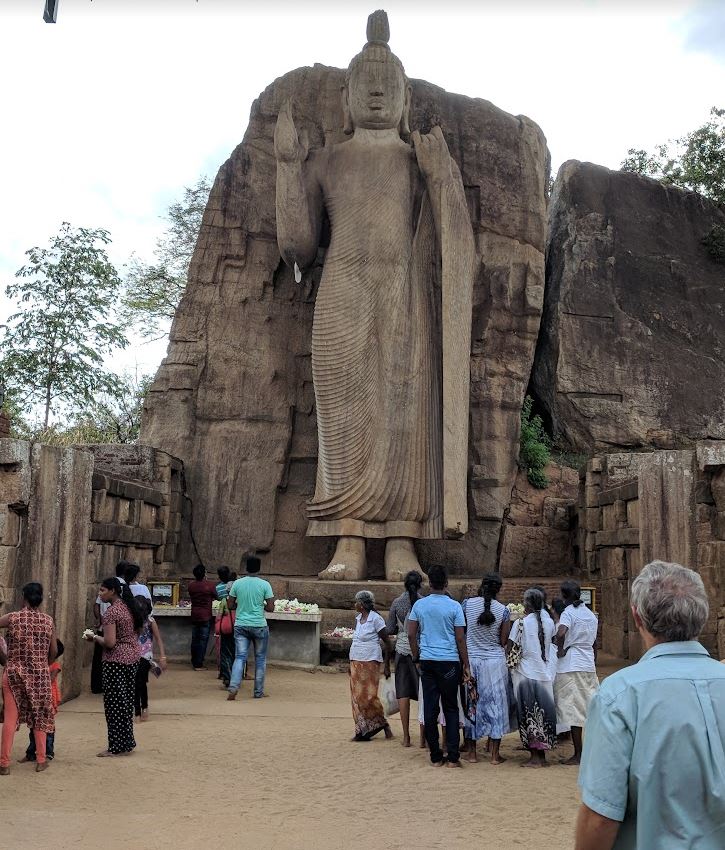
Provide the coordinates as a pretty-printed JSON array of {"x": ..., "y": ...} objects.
[{"x": 391, "y": 330}]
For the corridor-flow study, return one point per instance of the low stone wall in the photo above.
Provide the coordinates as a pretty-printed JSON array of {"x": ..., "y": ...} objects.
[
  {"x": 666, "y": 505},
  {"x": 45, "y": 499},
  {"x": 67, "y": 517}
]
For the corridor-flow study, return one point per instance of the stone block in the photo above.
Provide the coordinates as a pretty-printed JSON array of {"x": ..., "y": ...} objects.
[
  {"x": 615, "y": 641},
  {"x": 667, "y": 507},
  {"x": 594, "y": 464},
  {"x": 558, "y": 513},
  {"x": 612, "y": 563},
  {"x": 609, "y": 518},
  {"x": 10, "y": 524},
  {"x": 538, "y": 551},
  {"x": 703, "y": 513},
  {"x": 620, "y": 512},
  {"x": 633, "y": 559},
  {"x": 721, "y": 635},
  {"x": 633, "y": 513},
  {"x": 717, "y": 487},
  {"x": 591, "y": 496},
  {"x": 618, "y": 537},
  {"x": 703, "y": 492},
  {"x": 615, "y": 601},
  {"x": 711, "y": 554},
  {"x": 592, "y": 519},
  {"x": 718, "y": 526},
  {"x": 710, "y": 453}
]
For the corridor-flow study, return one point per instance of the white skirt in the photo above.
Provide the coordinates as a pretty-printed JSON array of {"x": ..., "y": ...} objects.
[{"x": 572, "y": 694}]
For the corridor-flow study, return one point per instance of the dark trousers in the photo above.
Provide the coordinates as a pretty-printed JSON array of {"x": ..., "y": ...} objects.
[
  {"x": 440, "y": 680},
  {"x": 141, "y": 695},
  {"x": 118, "y": 689},
  {"x": 49, "y": 746},
  {"x": 199, "y": 639},
  {"x": 97, "y": 668}
]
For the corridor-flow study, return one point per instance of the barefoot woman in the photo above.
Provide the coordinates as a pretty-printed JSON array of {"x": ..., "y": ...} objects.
[{"x": 365, "y": 659}]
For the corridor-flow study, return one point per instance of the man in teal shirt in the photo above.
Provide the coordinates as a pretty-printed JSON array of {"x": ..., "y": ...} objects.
[
  {"x": 251, "y": 596},
  {"x": 652, "y": 773}
]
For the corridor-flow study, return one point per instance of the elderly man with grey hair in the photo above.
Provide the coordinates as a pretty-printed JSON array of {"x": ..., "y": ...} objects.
[
  {"x": 653, "y": 768},
  {"x": 365, "y": 660}
]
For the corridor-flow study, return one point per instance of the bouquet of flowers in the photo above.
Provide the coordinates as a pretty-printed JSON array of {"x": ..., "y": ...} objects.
[
  {"x": 294, "y": 606},
  {"x": 516, "y": 608}
]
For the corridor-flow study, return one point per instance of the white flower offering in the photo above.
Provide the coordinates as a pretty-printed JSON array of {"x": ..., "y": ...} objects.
[
  {"x": 516, "y": 608},
  {"x": 88, "y": 634},
  {"x": 294, "y": 606}
]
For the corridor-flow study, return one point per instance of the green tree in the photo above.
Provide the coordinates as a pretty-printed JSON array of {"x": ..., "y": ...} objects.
[
  {"x": 53, "y": 347},
  {"x": 534, "y": 446},
  {"x": 696, "y": 161},
  {"x": 153, "y": 290}
]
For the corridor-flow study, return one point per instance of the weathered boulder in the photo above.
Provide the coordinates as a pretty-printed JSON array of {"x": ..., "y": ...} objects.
[
  {"x": 632, "y": 345},
  {"x": 234, "y": 398}
]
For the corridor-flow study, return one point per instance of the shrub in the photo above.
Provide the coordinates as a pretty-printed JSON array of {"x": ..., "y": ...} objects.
[{"x": 534, "y": 446}]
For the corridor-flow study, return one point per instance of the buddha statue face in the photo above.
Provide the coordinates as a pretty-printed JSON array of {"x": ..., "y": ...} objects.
[{"x": 377, "y": 96}]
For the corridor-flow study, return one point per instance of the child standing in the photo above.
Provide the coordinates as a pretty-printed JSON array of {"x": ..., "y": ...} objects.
[
  {"x": 148, "y": 634},
  {"x": 54, "y": 670}
]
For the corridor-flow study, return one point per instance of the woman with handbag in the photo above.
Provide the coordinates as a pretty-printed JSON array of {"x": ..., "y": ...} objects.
[
  {"x": 224, "y": 629},
  {"x": 529, "y": 649},
  {"x": 488, "y": 624}
]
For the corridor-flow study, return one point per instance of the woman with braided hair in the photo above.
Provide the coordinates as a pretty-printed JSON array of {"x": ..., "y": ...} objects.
[
  {"x": 488, "y": 624},
  {"x": 407, "y": 679},
  {"x": 533, "y": 679}
]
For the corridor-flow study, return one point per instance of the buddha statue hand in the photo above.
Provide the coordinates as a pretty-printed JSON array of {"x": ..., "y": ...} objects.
[
  {"x": 288, "y": 145},
  {"x": 434, "y": 158}
]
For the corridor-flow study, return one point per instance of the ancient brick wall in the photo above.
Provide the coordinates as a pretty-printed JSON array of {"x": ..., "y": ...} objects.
[{"x": 667, "y": 505}]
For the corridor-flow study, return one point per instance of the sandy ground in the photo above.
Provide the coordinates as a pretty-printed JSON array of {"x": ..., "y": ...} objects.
[{"x": 272, "y": 773}]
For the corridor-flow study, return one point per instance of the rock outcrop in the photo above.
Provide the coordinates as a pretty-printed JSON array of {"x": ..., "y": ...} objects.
[
  {"x": 632, "y": 345},
  {"x": 234, "y": 399}
]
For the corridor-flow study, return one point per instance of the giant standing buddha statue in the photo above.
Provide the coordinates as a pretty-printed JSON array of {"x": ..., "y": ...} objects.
[{"x": 392, "y": 321}]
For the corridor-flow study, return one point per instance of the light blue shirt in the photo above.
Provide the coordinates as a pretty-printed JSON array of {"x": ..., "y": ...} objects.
[
  {"x": 654, "y": 750},
  {"x": 437, "y": 616}
]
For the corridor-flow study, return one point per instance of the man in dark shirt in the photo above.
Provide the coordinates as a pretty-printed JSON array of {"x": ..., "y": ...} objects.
[{"x": 202, "y": 593}]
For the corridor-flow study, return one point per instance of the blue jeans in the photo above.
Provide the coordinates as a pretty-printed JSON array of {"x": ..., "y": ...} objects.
[
  {"x": 243, "y": 636},
  {"x": 199, "y": 639}
]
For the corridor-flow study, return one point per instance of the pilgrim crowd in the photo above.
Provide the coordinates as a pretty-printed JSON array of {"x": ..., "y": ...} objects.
[{"x": 652, "y": 760}]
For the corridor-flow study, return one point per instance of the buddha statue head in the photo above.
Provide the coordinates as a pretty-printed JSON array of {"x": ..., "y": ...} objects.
[{"x": 376, "y": 94}]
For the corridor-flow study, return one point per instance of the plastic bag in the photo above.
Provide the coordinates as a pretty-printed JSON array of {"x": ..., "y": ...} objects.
[{"x": 387, "y": 696}]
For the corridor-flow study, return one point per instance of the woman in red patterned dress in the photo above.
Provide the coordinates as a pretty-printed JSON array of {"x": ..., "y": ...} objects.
[{"x": 26, "y": 681}]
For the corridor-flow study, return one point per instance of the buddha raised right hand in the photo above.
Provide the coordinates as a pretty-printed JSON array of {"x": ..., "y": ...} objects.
[{"x": 288, "y": 145}]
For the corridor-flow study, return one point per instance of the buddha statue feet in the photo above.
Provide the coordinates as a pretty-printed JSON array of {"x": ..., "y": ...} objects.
[
  {"x": 348, "y": 563},
  {"x": 400, "y": 558}
]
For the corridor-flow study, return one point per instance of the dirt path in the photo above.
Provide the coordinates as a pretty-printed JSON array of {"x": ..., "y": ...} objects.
[{"x": 273, "y": 773}]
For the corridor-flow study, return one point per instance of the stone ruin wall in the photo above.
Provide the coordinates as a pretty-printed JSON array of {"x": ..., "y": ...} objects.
[
  {"x": 66, "y": 518},
  {"x": 665, "y": 505}
]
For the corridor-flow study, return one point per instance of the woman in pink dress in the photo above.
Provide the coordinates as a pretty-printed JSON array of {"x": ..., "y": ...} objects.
[{"x": 26, "y": 687}]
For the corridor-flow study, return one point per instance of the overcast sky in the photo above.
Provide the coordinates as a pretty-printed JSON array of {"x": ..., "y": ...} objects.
[{"x": 110, "y": 112}]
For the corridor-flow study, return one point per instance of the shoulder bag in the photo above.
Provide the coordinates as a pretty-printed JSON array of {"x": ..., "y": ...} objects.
[{"x": 514, "y": 655}]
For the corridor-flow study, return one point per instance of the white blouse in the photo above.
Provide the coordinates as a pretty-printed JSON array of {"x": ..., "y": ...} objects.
[{"x": 366, "y": 642}]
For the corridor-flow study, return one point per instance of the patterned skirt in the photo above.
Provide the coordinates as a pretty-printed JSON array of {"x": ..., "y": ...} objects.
[
  {"x": 536, "y": 712},
  {"x": 367, "y": 710},
  {"x": 493, "y": 686}
]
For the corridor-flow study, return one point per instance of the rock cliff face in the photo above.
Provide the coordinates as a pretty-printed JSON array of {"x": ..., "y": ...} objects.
[
  {"x": 632, "y": 344},
  {"x": 234, "y": 398}
]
